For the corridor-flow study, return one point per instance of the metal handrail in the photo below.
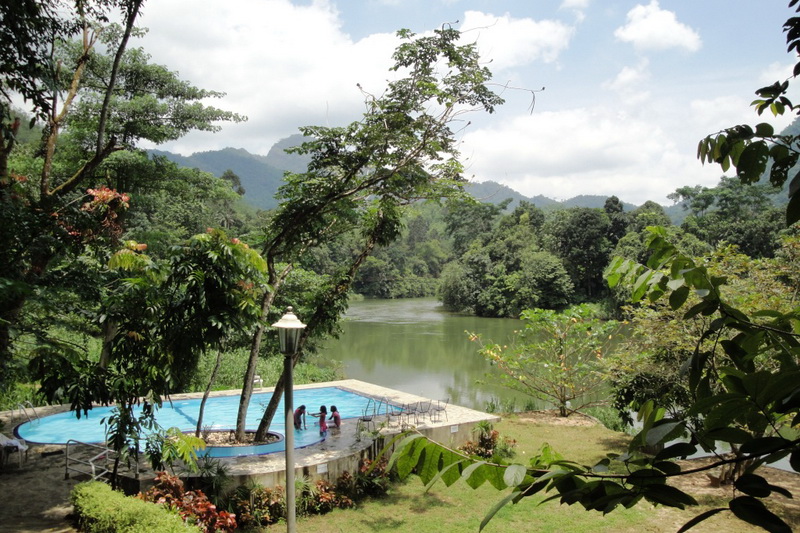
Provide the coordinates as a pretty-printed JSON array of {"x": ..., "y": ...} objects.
[
  {"x": 22, "y": 409},
  {"x": 97, "y": 465}
]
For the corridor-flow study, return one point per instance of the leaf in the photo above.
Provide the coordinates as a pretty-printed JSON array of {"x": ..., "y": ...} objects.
[
  {"x": 753, "y": 485},
  {"x": 496, "y": 507},
  {"x": 679, "y": 449},
  {"x": 514, "y": 475},
  {"x": 667, "y": 495},
  {"x": 474, "y": 474},
  {"x": 699, "y": 518},
  {"x": 728, "y": 434},
  {"x": 754, "y": 512},
  {"x": 442, "y": 474},
  {"x": 662, "y": 432},
  {"x": 764, "y": 445},
  {"x": 794, "y": 460},
  {"x": 678, "y": 297},
  {"x": 793, "y": 210}
]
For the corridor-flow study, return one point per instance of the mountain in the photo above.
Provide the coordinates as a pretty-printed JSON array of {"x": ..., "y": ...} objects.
[
  {"x": 258, "y": 176},
  {"x": 262, "y": 175}
]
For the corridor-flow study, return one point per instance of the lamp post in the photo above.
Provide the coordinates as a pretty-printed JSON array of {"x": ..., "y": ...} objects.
[{"x": 289, "y": 329}]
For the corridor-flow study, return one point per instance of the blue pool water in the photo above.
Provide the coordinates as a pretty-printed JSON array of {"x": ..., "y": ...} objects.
[{"x": 220, "y": 414}]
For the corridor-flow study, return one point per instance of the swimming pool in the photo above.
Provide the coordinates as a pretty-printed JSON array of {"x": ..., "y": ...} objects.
[{"x": 220, "y": 414}]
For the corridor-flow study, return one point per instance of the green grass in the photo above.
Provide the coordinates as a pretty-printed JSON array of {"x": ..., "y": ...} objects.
[{"x": 459, "y": 508}]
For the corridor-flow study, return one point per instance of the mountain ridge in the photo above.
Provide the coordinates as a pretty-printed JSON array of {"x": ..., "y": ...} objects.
[{"x": 261, "y": 176}]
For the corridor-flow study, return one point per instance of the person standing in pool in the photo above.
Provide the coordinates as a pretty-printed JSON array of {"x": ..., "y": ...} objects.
[
  {"x": 300, "y": 417},
  {"x": 323, "y": 425},
  {"x": 336, "y": 417}
]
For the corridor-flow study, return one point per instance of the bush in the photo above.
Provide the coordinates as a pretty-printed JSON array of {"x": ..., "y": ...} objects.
[
  {"x": 193, "y": 506},
  {"x": 257, "y": 506},
  {"x": 489, "y": 444},
  {"x": 102, "y": 510}
]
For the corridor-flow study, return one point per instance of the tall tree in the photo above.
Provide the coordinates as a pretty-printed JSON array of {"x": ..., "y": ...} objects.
[
  {"x": 364, "y": 174},
  {"x": 97, "y": 105}
]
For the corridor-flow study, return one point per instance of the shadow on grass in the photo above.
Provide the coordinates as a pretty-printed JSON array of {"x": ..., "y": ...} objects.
[
  {"x": 418, "y": 504},
  {"x": 618, "y": 442}
]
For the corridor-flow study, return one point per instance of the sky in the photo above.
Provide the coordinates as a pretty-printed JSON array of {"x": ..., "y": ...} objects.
[{"x": 630, "y": 87}]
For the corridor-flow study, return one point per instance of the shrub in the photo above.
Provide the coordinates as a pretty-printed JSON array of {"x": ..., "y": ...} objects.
[
  {"x": 102, "y": 510},
  {"x": 256, "y": 505},
  {"x": 193, "y": 506},
  {"x": 489, "y": 444}
]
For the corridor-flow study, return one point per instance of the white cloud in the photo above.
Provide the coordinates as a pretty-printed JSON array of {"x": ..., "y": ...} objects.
[
  {"x": 584, "y": 151},
  {"x": 775, "y": 72},
  {"x": 652, "y": 28},
  {"x": 283, "y": 65},
  {"x": 578, "y": 7},
  {"x": 629, "y": 81},
  {"x": 511, "y": 42}
]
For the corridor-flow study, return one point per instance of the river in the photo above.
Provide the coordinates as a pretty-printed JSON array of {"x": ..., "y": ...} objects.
[{"x": 414, "y": 345}]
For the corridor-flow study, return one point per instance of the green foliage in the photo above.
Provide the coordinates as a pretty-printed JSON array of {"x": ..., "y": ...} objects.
[
  {"x": 557, "y": 357},
  {"x": 502, "y": 268},
  {"x": 579, "y": 236},
  {"x": 165, "y": 447},
  {"x": 61, "y": 216},
  {"x": 100, "y": 509},
  {"x": 734, "y": 213},
  {"x": 258, "y": 506}
]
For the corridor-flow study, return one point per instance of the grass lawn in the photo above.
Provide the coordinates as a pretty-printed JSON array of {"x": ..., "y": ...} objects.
[{"x": 459, "y": 508}]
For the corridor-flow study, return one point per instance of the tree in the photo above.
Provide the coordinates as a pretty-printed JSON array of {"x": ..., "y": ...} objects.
[
  {"x": 556, "y": 357},
  {"x": 733, "y": 213},
  {"x": 161, "y": 315},
  {"x": 364, "y": 174},
  {"x": 618, "y": 226},
  {"x": 97, "y": 105},
  {"x": 236, "y": 182},
  {"x": 579, "y": 237}
]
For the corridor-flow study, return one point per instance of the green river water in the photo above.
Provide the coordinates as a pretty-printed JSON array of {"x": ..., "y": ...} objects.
[{"x": 414, "y": 345}]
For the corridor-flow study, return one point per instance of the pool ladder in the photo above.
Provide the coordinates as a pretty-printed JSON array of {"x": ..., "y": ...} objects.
[{"x": 22, "y": 407}]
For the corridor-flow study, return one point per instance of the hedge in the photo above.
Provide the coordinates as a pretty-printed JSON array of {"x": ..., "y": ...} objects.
[{"x": 103, "y": 510}]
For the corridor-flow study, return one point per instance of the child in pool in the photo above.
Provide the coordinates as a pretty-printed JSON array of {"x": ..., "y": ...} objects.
[
  {"x": 300, "y": 417},
  {"x": 336, "y": 417},
  {"x": 323, "y": 426}
]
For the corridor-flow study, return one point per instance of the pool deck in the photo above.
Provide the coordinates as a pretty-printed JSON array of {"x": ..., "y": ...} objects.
[{"x": 343, "y": 449}]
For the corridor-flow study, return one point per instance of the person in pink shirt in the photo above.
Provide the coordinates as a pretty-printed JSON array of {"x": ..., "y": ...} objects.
[
  {"x": 335, "y": 417},
  {"x": 323, "y": 425}
]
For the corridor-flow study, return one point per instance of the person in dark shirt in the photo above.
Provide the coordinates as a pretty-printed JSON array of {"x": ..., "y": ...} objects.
[{"x": 300, "y": 417}]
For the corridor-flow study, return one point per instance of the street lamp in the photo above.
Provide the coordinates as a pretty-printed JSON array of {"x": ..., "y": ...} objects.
[{"x": 289, "y": 329}]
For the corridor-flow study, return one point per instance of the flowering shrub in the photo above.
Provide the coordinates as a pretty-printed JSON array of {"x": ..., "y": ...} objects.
[
  {"x": 193, "y": 506},
  {"x": 257, "y": 506},
  {"x": 489, "y": 444}
]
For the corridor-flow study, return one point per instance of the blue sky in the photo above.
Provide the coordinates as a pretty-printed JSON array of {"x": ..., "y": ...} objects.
[{"x": 631, "y": 86}]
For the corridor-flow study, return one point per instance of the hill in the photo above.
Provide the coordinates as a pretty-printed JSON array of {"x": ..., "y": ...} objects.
[{"x": 262, "y": 175}]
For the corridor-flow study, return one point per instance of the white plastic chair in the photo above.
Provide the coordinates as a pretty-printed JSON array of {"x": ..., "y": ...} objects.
[{"x": 13, "y": 445}]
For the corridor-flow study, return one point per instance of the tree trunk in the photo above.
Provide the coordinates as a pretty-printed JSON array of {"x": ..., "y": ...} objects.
[
  {"x": 211, "y": 381},
  {"x": 325, "y": 310},
  {"x": 255, "y": 347}
]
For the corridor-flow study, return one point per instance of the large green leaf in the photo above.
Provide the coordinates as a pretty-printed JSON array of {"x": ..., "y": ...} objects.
[{"x": 754, "y": 512}]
